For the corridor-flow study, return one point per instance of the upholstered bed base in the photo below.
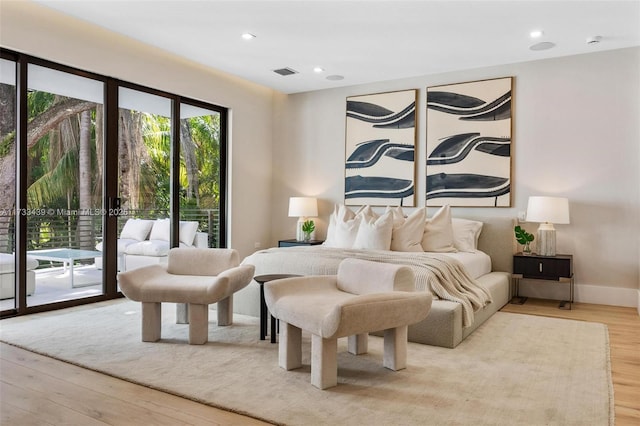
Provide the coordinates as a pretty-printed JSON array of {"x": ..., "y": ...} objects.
[{"x": 443, "y": 325}]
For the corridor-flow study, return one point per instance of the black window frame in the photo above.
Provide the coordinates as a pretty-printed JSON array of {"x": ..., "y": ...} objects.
[{"x": 111, "y": 86}]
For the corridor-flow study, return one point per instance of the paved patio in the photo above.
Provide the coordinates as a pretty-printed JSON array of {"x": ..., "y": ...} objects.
[{"x": 53, "y": 285}]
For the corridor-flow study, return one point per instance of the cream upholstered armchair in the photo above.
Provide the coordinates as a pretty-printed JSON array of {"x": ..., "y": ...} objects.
[
  {"x": 195, "y": 277},
  {"x": 363, "y": 297}
]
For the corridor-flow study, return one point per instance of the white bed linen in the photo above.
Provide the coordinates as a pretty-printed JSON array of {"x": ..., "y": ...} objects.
[
  {"x": 476, "y": 263},
  {"x": 443, "y": 276}
]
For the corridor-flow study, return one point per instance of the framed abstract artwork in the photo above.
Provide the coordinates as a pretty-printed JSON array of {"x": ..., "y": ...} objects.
[
  {"x": 380, "y": 143},
  {"x": 469, "y": 144}
]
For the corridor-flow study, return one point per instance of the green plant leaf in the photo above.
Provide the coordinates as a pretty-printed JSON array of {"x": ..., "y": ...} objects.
[
  {"x": 308, "y": 226},
  {"x": 522, "y": 236}
]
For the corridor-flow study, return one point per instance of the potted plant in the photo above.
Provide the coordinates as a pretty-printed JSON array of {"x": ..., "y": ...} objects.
[
  {"x": 307, "y": 228},
  {"x": 524, "y": 238}
]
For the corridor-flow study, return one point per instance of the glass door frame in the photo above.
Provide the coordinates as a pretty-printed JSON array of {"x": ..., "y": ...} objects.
[{"x": 110, "y": 178}]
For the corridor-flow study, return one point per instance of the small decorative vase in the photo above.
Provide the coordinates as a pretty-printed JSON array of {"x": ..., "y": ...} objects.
[
  {"x": 307, "y": 237},
  {"x": 526, "y": 249}
]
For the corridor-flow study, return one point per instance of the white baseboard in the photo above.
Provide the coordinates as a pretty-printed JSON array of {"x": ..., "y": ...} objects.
[
  {"x": 615, "y": 296},
  {"x": 584, "y": 293}
]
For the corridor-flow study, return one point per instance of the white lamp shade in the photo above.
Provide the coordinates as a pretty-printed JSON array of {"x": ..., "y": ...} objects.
[
  {"x": 548, "y": 210},
  {"x": 303, "y": 207}
]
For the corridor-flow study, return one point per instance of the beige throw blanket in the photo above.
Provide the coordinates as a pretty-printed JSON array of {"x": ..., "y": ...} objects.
[{"x": 442, "y": 276}]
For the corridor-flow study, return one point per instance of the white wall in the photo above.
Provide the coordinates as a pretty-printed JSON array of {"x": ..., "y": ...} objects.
[
  {"x": 576, "y": 134},
  {"x": 42, "y": 32}
]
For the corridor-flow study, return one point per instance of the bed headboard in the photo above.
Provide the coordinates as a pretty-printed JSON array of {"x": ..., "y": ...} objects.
[{"x": 497, "y": 240}]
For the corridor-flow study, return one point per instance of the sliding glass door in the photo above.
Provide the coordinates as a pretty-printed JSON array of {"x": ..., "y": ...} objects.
[
  {"x": 81, "y": 157},
  {"x": 64, "y": 211},
  {"x": 201, "y": 181},
  {"x": 144, "y": 178}
]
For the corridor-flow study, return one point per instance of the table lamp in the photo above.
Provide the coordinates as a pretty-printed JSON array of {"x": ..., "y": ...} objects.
[
  {"x": 547, "y": 211},
  {"x": 302, "y": 207}
]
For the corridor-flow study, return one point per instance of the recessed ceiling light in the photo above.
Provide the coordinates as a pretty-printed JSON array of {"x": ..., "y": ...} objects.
[
  {"x": 335, "y": 77},
  {"x": 248, "y": 36},
  {"x": 543, "y": 45},
  {"x": 536, "y": 33},
  {"x": 318, "y": 69}
]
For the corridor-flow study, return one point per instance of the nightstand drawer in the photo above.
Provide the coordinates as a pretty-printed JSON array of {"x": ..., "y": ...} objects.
[
  {"x": 291, "y": 243},
  {"x": 542, "y": 267}
]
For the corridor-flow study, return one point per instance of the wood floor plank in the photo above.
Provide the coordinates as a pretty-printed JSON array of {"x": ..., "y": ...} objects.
[
  {"x": 80, "y": 400},
  {"x": 118, "y": 401},
  {"x": 36, "y": 406}
]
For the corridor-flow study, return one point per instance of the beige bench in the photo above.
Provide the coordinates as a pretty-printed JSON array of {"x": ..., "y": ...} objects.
[
  {"x": 363, "y": 297},
  {"x": 195, "y": 277}
]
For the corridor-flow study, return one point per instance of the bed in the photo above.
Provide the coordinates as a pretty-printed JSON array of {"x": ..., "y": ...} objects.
[{"x": 462, "y": 300}]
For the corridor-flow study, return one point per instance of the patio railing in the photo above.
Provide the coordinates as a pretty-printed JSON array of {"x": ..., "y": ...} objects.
[{"x": 47, "y": 228}]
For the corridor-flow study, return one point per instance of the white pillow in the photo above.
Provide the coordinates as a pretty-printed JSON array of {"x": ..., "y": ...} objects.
[
  {"x": 466, "y": 234},
  {"x": 374, "y": 234},
  {"x": 345, "y": 233},
  {"x": 136, "y": 229},
  {"x": 161, "y": 230},
  {"x": 408, "y": 233},
  {"x": 155, "y": 248},
  {"x": 398, "y": 215},
  {"x": 438, "y": 232},
  {"x": 341, "y": 226},
  {"x": 367, "y": 212},
  {"x": 188, "y": 231}
]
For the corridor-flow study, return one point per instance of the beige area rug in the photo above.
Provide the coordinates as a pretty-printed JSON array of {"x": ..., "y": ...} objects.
[{"x": 514, "y": 370}]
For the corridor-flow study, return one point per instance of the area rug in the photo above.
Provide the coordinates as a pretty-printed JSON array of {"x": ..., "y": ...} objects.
[{"x": 514, "y": 369}]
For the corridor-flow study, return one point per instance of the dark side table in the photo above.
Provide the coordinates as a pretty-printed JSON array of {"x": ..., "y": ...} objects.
[
  {"x": 551, "y": 268},
  {"x": 261, "y": 280}
]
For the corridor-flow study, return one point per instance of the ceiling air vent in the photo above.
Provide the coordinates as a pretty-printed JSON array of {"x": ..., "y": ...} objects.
[{"x": 285, "y": 71}]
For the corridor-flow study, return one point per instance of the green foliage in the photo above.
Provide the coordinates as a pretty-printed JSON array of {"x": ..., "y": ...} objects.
[
  {"x": 6, "y": 144},
  {"x": 53, "y": 161},
  {"x": 38, "y": 102},
  {"x": 522, "y": 236},
  {"x": 308, "y": 226}
]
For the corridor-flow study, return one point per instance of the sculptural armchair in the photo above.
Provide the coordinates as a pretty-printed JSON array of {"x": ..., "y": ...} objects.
[
  {"x": 195, "y": 277},
  {"x": 363, "y": 297}
]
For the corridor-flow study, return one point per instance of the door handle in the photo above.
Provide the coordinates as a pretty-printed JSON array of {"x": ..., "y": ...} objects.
[{"x": 114, "y": 206}]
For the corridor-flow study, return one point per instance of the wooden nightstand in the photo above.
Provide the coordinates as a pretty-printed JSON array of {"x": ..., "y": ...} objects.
[
  {"x": 550, "y": 268},
  {"x": 294, "y": 242}
]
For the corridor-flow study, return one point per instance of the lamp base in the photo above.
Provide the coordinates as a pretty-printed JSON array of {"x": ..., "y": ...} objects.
[
  {"x": 546, "y": 240},
  {"x": 299, "y": 233}
]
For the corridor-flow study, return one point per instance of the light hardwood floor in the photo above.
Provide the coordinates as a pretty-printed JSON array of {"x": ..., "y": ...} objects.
[{"x": 37, "y": 390}]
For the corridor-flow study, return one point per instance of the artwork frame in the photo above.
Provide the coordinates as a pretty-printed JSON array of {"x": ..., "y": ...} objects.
[
  {"x": 468, "y": 147},
  {"x": 380, "y": 145}
]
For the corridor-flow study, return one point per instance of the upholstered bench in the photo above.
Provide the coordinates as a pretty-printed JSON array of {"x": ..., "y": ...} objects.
[
  {"x": 196, "y": 277},
  {"x": 363, "y": 297}
]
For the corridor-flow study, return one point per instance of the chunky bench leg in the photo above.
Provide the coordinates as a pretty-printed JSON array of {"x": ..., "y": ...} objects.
[
  {"x": 324, "y": 362},
  {"x": 151, "y": 321},
  {"x": 182, "y": 313},
  {"x": 225, "y": 311},
  {"x": 290, "y": 346},
  {"x": 358, "y": 344},
  {"x": 198, "y": 324},
  {"x": 395, "y": 348}
]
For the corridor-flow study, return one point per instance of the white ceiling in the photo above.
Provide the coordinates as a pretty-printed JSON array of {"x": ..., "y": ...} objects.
[{"x": 363, "y": 41}]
